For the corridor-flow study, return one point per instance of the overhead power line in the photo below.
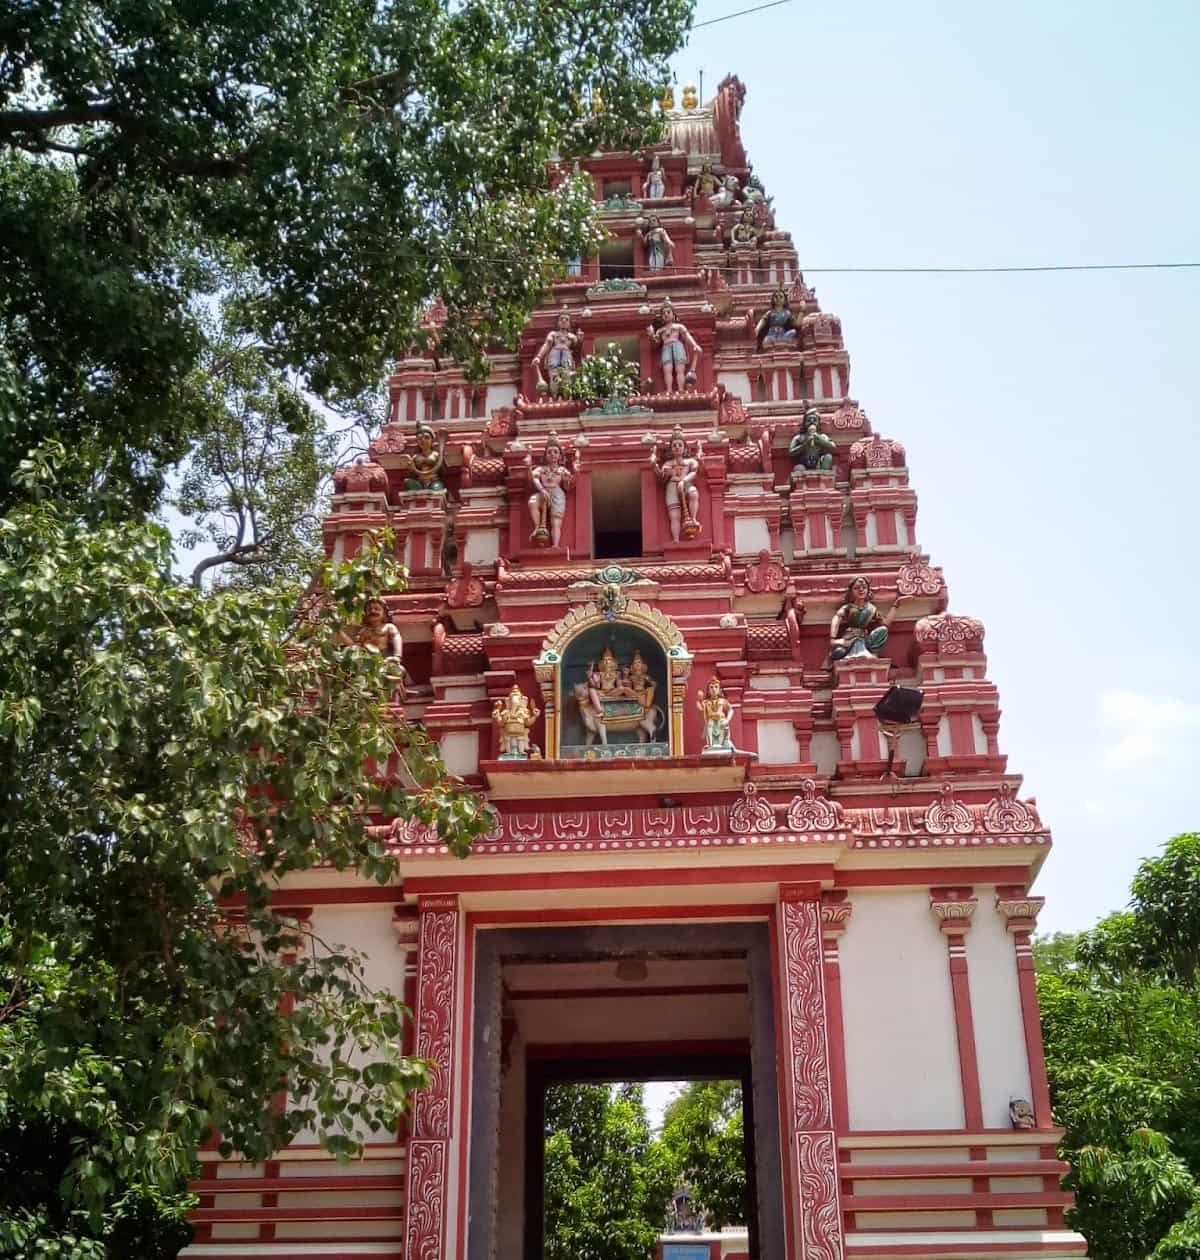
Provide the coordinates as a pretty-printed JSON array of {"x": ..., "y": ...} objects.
[{"x": 728, "y": 17}]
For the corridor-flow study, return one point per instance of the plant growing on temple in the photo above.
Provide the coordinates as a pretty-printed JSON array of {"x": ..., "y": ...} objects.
[
  {"x": 166, "y": 754},
  {"x": 604, "y": 377},
  {"x": 703, "y": 1133},
  {"x": 1121, "y": 1021},
  {"x": 607, "y": 1180},
  {"x": 359, "y": 158}
]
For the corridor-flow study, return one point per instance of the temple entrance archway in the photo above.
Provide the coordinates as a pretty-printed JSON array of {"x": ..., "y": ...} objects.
[{"x": 549, "y": 1007}]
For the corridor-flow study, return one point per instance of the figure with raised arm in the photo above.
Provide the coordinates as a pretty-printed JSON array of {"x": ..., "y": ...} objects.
[
  {"x": 675, "y": 344},
  {"x": 682, "y": 495},
  {"x": 426, "y": 462},
  {"x": 705, "y": 183},
  {"x": 777, "y": 328},
  {"x": 660, "y": 249},
  {"x": 557, "y": 356},
  {"x": 858, "y": 627},
  {"x": 551, "y": 479}
]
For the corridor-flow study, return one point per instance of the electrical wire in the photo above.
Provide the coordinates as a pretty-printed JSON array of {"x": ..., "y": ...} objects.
[{"x": 758, "y": 8}]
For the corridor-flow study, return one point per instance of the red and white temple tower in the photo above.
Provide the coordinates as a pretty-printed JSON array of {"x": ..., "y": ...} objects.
[{"x": 710, "y": 853}]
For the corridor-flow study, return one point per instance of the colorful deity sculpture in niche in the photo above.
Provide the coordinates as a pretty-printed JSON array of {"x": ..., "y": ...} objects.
[
  {"x": 426, "y": 462},
  {"x": 811, "y": 449},
  {"x": 745, "y": 231},
  {"x": 514, "y": 718},
  {"x": 679, "y": 474},
  {"x": 618, "y": 697},
  {"x": 660, "y": 249},
  {"x": 678, "y": 350},
  {"x": 376, "y": 633},
  {"x": 556, "y": 356},
  {"x": 777, "y": 328},
  {"x": 705, "y": 183},
  {"x": 728, "y": 195},
  {"x": 717, "y": 713},
  {"x": 654, "y": 186},
  {"x": 858, "y": 627},
  {"x": 551, "y": 479}
]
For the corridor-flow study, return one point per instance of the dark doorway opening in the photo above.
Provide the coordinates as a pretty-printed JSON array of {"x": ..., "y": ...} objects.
[
  {"x": 617, "y": 514},
  {"x": 616, "y": 260},
  {"x": 543, "y": 1074}
]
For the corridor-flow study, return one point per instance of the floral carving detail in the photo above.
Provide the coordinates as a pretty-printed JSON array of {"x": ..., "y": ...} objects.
[
  {"x": 426, "y": 1208},
  {"x": 435, "y": 1019},
  {"x": 820, "y": 1211},
  {"x": 947, "y": 816},
  {"x": 917, "y": 578},
  {"x": 733, "y": 413},
  {"x": 877, "y": 452},
  {"x": 948, "y": 634},
  {"x": 810, "y": 812},
  {"x": 362, "y": 477},
  {"x": 849, "y": 416},
  {"x": 1020, "y": 912},
  {"x": 1004, "y": 813},
  {"x": 390, "y": 440},
  {"x": 465, "y": 591},
  {"x": 502, "y": 424},
  {"x": 821, "y": 328},
  {"x": 808, "y": 1050},
  {"x": 765, "y": 574},
  {"x": 799, "y": 294},
  {"x": 750, "y": 813}
]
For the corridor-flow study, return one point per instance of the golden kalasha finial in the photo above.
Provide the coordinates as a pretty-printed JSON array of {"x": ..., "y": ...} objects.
[
  {"x": 666, "y": 102},
  {"x": 690, "y": 98}
]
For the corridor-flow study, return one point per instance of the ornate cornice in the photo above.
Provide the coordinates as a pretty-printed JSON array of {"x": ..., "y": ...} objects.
[
  {"x": 1020, "y": 913},
  {"x": 580, "y": 617}
]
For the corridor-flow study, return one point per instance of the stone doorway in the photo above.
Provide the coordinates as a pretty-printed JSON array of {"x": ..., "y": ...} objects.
[{"x": 619, "y": 1002}]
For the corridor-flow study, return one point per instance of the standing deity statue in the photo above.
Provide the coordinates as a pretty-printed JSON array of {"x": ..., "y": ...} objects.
[
  {"x": 557, "y": 356},
  {"x": 675, "y": 345},
  {"x": 705, "y": 183},
  {"x": 376, "y": 633},
  {"x": 717, "y": 713},
  {"x": 811, "y": 449},
  {"x": 551, "y": 479},
  {"x": 858, "y": 628},
  {"x": 777, "y": 328},
  {"x": 728, "y": 195},
  {"x": 426, "y": 462},
  {"x": 514, "y": 718},
  {"x": 683, "y": 497},
  {"x": 654, "y": 186},
  {"x": 660, "y": 249}
]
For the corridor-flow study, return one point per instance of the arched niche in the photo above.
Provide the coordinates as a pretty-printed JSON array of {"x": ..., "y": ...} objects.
[{"x": 632, "y": 659}]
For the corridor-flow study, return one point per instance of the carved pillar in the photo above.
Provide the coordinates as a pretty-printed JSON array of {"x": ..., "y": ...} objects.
[
  {"x": 810, "y": 1144},
  {"x": 428, "y": 1181},
  {"x": 1020, "y": 912},
  {"x": 835, "y": 915},
  {"x": 953, "y": 908}
]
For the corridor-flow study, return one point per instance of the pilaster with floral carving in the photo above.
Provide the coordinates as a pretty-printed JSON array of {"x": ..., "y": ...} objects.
[
  {"x": 815, "y": 1218},
  {"x": 954, "y": 908},
  {"x": 429, "y": 1167},
  {"x": 835, "y": 916},
  {"x": 1020, "y": 912}
]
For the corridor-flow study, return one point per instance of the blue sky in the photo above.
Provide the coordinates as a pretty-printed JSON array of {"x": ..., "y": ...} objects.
[{"x": 1050, "y": 420}]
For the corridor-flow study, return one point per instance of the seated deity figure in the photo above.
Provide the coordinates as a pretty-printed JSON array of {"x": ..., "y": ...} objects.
[
  {"x": 679, "y": 474},
  {"x": 654, "y": 186},
  {"x": 618, "y": 697},
  {"x": 777, "y": 328},
  {"x": 551, "y": 479},
  {"x": 811, "y": 449},
  {"x": 717, "y": 713},
  {"x": 659, "y": 247},
  {"x": 426, "y": 463},
  {"x": 514, "y": 718},
  {"x": 557, "y": 356},
  {"x": 728, "y": 195},
  {"x": 675, "y": 344},
  {"x": 745, "y": 231},
  {"x": 640, "y": 680},
  {"x": 858, "y": 628}
]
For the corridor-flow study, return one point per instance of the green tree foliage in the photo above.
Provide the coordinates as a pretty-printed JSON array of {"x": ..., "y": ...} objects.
[
  {"x": 702, "y": 1130},
  {"x": 607, "y": 1180},
  {"x": 1121, "y": 1020},
  {"x": 604, "y": 376},
  {"x": 357, "y": 157}
]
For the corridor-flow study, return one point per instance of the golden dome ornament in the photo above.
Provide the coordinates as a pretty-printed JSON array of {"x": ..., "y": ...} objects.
[
  {"x": 666, "y": 102},
  {"x": 691, "y": 99}
]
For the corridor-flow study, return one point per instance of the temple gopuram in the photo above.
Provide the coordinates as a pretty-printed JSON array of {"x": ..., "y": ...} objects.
[{"x": 752, "y": 816}]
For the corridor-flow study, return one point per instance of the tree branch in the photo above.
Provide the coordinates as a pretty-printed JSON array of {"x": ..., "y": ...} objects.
[
  {"x": 243, "y": 553},
  {"x": 13, "y": 121}
]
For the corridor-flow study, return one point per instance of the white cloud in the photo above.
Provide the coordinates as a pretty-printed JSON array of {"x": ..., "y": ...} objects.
[{"x": 1142, "y": 730}]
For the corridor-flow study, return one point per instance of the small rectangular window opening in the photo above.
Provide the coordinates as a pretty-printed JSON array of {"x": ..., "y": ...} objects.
[{"x": 617, "y": 514}]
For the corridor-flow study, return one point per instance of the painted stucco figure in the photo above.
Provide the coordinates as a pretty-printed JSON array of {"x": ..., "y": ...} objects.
[
  {"x": 705, "y": 183},
  {"x": 654, "y": 186},
  {"x": 679, "y": 473},
  {"x": 728, "y": 195},
  {"x": 427, "y": 460},
  {"x": 376, "y": 633},
  {"x": 551, "y": 479},
  {"x": 858, "y": 627},
  {"x": 717, "y": 713},
  {"x": 514, "y": 718},
  {"x": 555, "y": 361},
  {"x": 811, "y": 449},
  {"x": 660, "y": 249},
  {"x": 678, "y": 350},
  {"x": 745, "y": 231},
  {"x": 776, "y": 329}
]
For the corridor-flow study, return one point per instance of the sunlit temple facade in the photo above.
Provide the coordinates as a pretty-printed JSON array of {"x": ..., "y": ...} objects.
[{"x": 752, "y": 816}]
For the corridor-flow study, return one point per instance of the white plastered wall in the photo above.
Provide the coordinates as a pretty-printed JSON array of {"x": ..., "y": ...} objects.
[
  {"x": 996, "y": 1012},
  {"x": 898, "y": 1014}
]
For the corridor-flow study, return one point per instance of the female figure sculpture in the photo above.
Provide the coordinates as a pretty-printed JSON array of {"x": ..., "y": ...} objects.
[
  {"x": 660, "y": 249},
  {"x": 717, "y": 713},
  {"x": 426, "y": 463},
  {"x": 858, "y": 628},
  {"x": 514, "y": 719},
  {"x": 557, "y": 355},
  {"x": 654, "y": 186},
  {"x": 810, "y": 448},
  {"x": 551, "y": 480},
  {"x": 777, "y": 327},
  {"x": 683, "y": 498},
  {"x": 676, "y": 344},
  {"x": 745, "y": 231},
  {"x": 705, "y": 183}
]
